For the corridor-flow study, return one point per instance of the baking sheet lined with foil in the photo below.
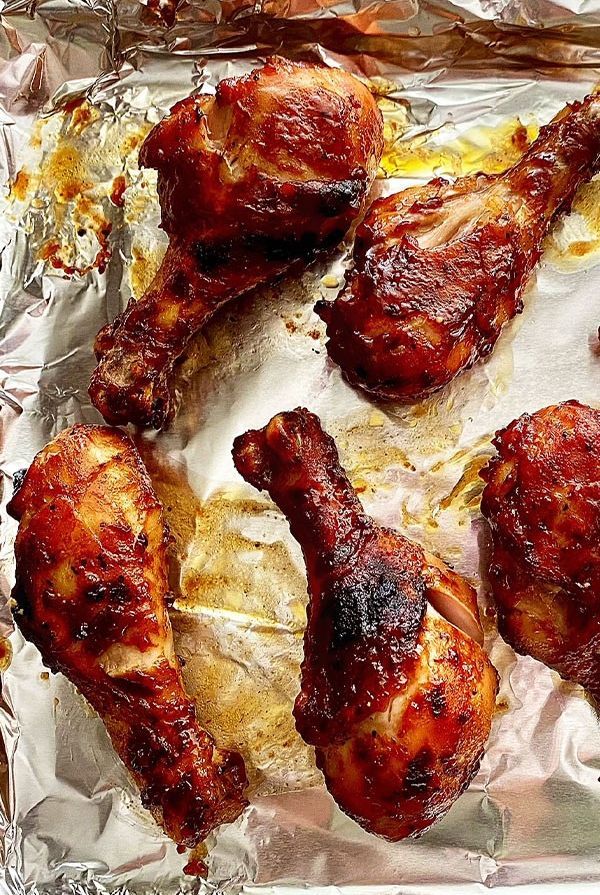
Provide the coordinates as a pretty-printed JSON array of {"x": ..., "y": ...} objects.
[{"x": 80, "y": 86}]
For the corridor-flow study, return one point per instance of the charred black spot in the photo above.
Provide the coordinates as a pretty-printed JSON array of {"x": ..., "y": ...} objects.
[
  {"x": 419, "y": 773},
  {"x": 18, "y": 479},
  {"x": 82, "y": 631},
  {"x": 179, "y": 284},
  {"x": 113, "y": 591},
  {"x": 285, "y": 249},
  {"x": 209, "y": 255},
  {"x": 324, "y": 308},
  {"x": 24, "y": 607},
  {"x": 437, "y": 700},
  {"x": 142, "y": 540},
  {"x": 96, "y": 594},
  {"x": 340, "y": 196},
  {"x": 146, "y": 749},
  {"x": 361, "y": 608}
]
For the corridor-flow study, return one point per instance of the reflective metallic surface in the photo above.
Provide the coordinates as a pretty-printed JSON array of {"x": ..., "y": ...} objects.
[{"x": 463, "y": 87}]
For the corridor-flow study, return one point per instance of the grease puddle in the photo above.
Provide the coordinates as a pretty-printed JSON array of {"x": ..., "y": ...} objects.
[{"x": 482, "y": 148}]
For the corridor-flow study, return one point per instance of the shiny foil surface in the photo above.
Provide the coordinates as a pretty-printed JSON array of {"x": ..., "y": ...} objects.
[{"x": 463, "y": 87}]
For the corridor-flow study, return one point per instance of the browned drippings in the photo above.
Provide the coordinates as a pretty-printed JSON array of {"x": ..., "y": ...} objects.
[
  {"x": 132, "y": 141},
  {"x": 502, "y": 706},
  {"x": 238, "y": 619},
  {"x": 119, "y": 187},
  {"x": 466, "y": 493},
  {"x": 20, "y": 186},
  {"x": 63, "y": 176},
  {"x": 63, "y": 172},
  {"x": 575, "y": 241},
  {"x": 369, "y": 451},
  {"x": 82, "y": 115},
  {"x": 68, "y": 182},
  {"x": 196, "y": 865},
  {"x": 54, "y": 252},
  {"x": 5, "y": 653},
  {"x": 143, "y": 268}
]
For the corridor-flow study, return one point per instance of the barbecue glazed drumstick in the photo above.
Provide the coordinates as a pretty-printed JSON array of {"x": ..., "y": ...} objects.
[
  {"x": 273, "y": 167},
  {"x": 440, "y": 269},
  {"x": 542, "y": 500},
  {"x": 395, "y": 698},
  {"x": 90, "y": 593}
]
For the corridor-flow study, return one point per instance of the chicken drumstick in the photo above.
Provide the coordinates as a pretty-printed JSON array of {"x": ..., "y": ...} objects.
[
  {"x": 395, "y": 698},
  {"x": 542, "y": 500},
  {"x": 90, "y": 594},
  {"x": 440, "y": 269},
  {"x": 275, "y": 165}
]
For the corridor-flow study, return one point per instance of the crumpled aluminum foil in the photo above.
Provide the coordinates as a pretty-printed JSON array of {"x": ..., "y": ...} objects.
[{"x": 463, "y": 87}]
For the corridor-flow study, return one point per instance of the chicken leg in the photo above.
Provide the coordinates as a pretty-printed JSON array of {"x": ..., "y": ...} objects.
[
  {"x": 395, "y": 698},
  {"x": 542, "y": 500},
  {"x": 440, "y": 269},
  {"x": 274, "y": 166},
  {"x": 90, "y": 594}
]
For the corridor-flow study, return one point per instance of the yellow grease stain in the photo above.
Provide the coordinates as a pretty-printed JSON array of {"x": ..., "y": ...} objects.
[
  {"x": 6, "y": 653},
  {"x": 369, "y": 452},
  {"x": 238, "y": 619},
  {"x": 466, "y": 494},
  {"x": 20, "y": 186},
  {"x": 482, "y": 148},
  {"x": 143, "y": 268},
  {"x": 502, "y": 706},
  {"x": 463, "y": 498},
  {"x": 465, "y": 454},
  {"x": 64, "y": 173},
  {"x": 82, "y": 116},
  {"x": 575, "y": 240},
  {"x": 70, "y": 182}
]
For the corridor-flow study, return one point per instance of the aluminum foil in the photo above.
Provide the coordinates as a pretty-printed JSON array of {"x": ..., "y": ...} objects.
[{"x": 463, "y": 87}]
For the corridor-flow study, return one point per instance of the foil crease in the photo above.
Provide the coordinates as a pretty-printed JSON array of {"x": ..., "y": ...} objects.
[{"x": 463, "y": 87}]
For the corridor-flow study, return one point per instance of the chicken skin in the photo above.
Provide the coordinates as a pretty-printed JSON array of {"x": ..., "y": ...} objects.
[
  {"x": 440, "y": 269},
  {"x": 542, "y": 500},
  {"x": 90, "y": 593},
  {"x": 396, "y": 700},
  {"x": 273, "y": 167}
]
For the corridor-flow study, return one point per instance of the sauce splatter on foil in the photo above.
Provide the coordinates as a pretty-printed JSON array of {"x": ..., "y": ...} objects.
[{"x": 70, "y": 190}]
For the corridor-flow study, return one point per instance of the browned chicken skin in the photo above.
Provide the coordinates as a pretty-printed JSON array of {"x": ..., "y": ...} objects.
[
  {"x": 542, "y": 500},
  {"x": 396, "y": 700},
  {"x": 440, "y": 269},
  {"x": 273, "y": 167},
  {"x": 90, "y": 594}
]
